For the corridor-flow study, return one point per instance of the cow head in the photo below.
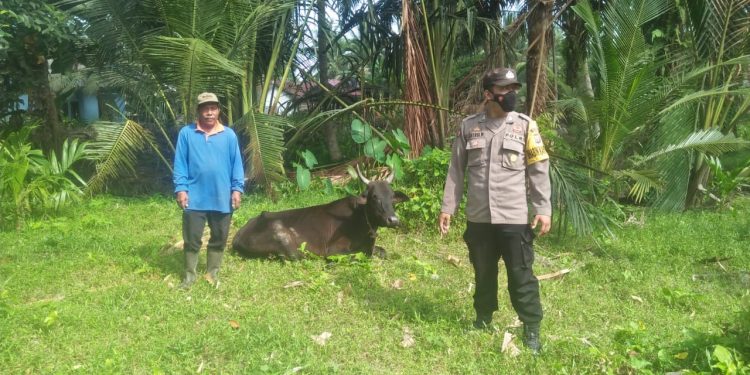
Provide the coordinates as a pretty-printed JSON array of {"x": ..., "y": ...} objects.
[{"x": 379, "y": 200}]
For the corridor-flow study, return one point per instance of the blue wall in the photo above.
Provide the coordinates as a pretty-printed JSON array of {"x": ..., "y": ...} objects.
[{"x": 88, "y": 105}]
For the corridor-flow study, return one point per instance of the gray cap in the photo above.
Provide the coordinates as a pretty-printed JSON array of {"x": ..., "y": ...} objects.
[
  {"x": 207, "y": 97},
  {"x": 500, "y": 77}
]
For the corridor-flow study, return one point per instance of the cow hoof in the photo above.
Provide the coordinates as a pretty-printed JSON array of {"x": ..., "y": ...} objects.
[{"x": 379, "y": 252}]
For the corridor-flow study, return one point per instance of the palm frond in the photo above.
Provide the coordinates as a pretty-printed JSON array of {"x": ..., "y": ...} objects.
[
  {"x": 626, "y": 70},
  {"x": 265, "y": 149},
  {"x": 574, "y": 108},
  {"x": 246, "y": 19},
  {"x": 644, "y": 182},
  {"x": 676, "y": 171},
  {"x": 114, "y": 150},
  {"x": 573, "y": 207},
  {"x": 191, "y": 65},
  {"x": 709, "y": 141},
  {"x": 72, "y": 151},
  {"x": 312, "y": 123},
  {"x": 188, "y": 18},
  {"x": 702, "y": 94},
  {"x": 722, "y": 27}
]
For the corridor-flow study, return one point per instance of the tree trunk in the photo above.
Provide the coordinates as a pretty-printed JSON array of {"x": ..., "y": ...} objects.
[
  {"x": 330, "y": 128},
  {"x": 418, "y": 121},
  {"x": 539, "y": 33},
  {"x": 42, "y": 103},
  {"x": 574, "y": 49},
  {"x": 698, "y": 177}
]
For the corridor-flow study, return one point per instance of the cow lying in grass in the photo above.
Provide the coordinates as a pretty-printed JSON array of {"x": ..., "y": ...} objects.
[{"x": 348, "y": 225}]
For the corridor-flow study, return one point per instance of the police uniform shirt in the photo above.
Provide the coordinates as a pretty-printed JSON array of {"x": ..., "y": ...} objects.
[{"x": 498, "y": 157}]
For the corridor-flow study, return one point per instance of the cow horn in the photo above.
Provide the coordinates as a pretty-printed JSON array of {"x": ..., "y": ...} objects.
[
  {"x": 362, "y": 176},
  {"x": 389, "y": 178}
]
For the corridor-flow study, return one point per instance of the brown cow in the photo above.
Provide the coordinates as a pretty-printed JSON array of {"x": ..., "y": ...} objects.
[{"x": 344, "y": 226}]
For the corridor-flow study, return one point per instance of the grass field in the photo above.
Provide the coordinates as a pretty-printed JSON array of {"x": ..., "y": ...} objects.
[{"x": 94, "y": 291}]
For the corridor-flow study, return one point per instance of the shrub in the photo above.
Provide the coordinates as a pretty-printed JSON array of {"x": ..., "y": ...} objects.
[
  {"x": 30, "y": 181},
  {"x": 423, "y": 182}
]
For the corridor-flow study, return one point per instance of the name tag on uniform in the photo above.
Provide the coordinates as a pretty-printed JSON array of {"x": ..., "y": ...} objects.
[{"x": 476, "y": 143}]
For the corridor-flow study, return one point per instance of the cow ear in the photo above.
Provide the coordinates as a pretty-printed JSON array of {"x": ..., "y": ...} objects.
[
  {"x": 399, "y": 197},
  {"x": 362, "y": 199}
]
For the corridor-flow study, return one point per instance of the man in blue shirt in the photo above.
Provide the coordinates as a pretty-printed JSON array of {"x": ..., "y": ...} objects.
[{"x": 209, "y": 180}]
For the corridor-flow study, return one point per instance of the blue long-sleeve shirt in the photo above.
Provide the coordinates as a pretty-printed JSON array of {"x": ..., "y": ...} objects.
[{"x": 208, "y": 168}]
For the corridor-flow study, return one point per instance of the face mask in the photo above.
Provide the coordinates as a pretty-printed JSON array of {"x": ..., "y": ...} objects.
[{"x": 508, "y": 103}]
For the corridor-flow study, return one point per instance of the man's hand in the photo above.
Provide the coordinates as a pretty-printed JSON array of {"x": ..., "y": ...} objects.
[
  {"x": 546, "y": 222},
  {"x": 444, "y": 223},
  {"x": 236, "y": 199},
  {"x": 182, "y": 199}
]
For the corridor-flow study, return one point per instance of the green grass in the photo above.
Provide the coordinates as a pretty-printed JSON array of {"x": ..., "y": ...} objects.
[{"x": 93, "y": 292}]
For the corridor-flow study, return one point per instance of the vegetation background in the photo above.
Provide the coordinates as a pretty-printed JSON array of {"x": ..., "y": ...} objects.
[{"x": 643, "y": 105}]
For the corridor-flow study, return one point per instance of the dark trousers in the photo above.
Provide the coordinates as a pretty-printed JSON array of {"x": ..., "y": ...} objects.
[
  {"x": 193, "y": 223},
  {"x": 488, "y": 243}
]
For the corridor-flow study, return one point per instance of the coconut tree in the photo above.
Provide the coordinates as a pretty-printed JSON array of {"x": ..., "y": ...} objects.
[
  {"x": 707, "y": 91},
  {"x": 633, "y": 105},
  {"x": 161, "y": 54}
]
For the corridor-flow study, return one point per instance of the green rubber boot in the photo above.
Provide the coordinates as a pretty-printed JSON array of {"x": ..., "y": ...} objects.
[
  {"x": 191, "y": 262},
  {"x": 213, "y": 263}
]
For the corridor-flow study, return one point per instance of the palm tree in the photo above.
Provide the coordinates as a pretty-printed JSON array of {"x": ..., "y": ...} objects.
[
  {"x": 634, "y": 105},
  {"x": 161, "y": 54},
  {"x": 540, "y": 34},
  {"x": 323, "y": 49},
  {"x": 418, "y": 121},
  {"x": 707, "y": 92},
  {"x": 574, "y": 51}
]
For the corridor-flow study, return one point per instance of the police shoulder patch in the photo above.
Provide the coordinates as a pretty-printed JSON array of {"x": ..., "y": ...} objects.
[
  {"x": 535, "y": 151},
  {"x": 471, "y": 116},
  {"x": 525, "y": 117}
]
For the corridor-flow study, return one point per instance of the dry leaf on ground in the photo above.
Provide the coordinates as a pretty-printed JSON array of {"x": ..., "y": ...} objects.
[
  {"x": 515, "y": 323},
  {"x": 508, "y": 347},
  {"x": 234, "y": 324},
  {"x": 553, "y": 274},
  {"x": 294, "y": 284},
  {"x": 322, "y": 338},
  {"x": 339, "y": 297},
  {"x": 408, "y": 338},
  {"x": 454, "y": 260}
]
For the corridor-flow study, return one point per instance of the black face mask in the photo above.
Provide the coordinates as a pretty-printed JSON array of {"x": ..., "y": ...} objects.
[{"x": 508, "y": 103}]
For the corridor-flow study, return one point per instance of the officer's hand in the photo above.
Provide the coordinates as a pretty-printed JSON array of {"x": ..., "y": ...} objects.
[
  {"x": 546, "y": 222},
  {"x": 182, "y": 199},
  {"x": 444, "y": 223},
  {"x": 236, "y": 199}
]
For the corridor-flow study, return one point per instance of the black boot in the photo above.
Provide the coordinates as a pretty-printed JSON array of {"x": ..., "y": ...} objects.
[
  {"x": 531, "y": 338},
  {"x": 483, "y": 320},
  {"x": 213, "y": 263},
  {"x": 191, "y": 262}
]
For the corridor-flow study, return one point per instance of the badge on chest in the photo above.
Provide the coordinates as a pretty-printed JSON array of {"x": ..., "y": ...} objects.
[
  {"x": 476, "y": 132},
  {"x": 515, "y": 132},
  {"x": 475, "y": 143},
  {"x": 476, "y": 139}
]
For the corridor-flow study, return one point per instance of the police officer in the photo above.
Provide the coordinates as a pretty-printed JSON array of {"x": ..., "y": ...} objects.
[{"x": 502, "y": 155}]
